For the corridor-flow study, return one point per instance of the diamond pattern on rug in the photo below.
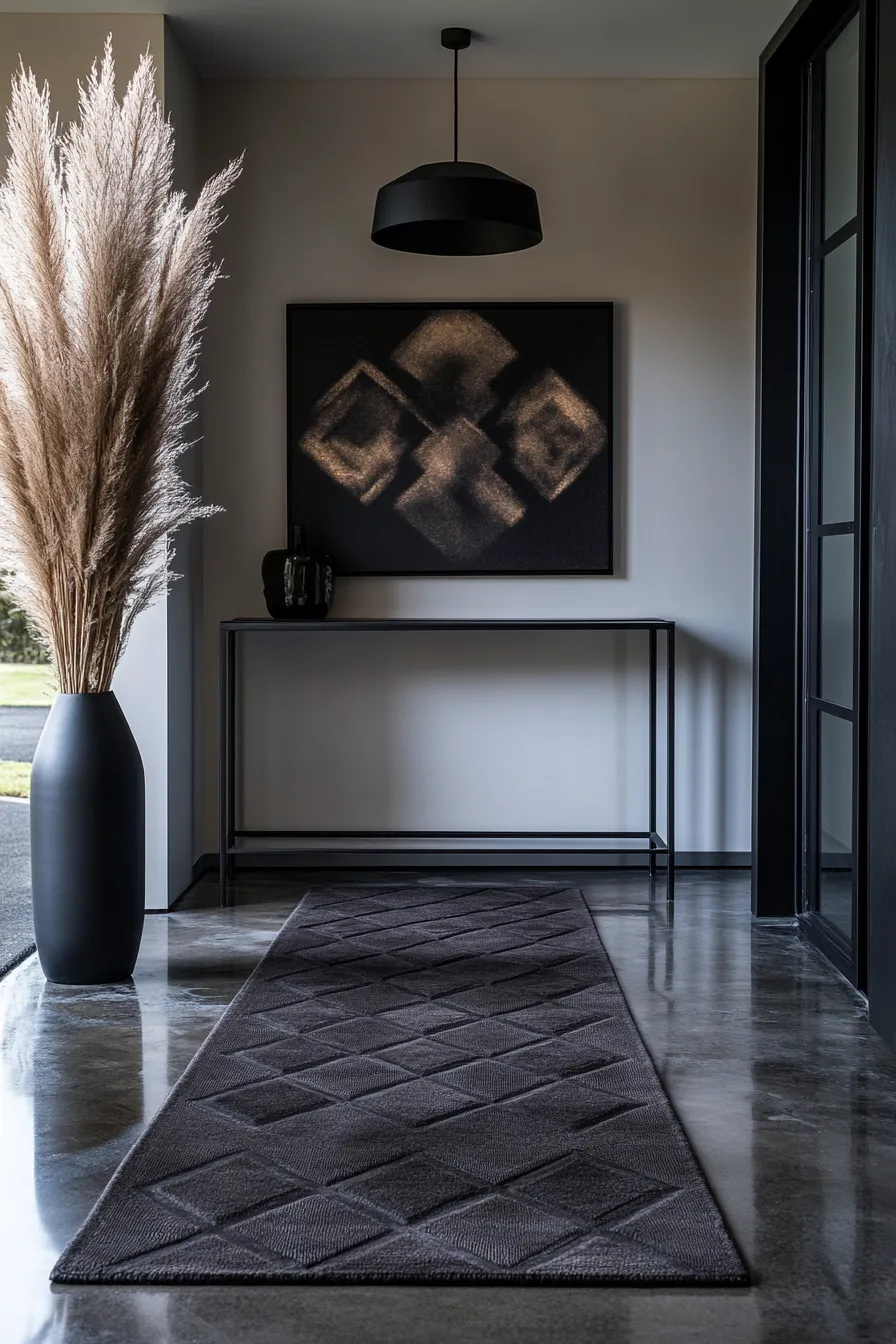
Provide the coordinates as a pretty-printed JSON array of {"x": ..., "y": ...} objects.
[
  {"x": 420, "y": 1102},
  {"x": 592, "y": 1190},
  {"x": 571, "y": 1107},
  {"x": 262, "y": 1103},
  {"x": 337, "y": 1142},
  {"x": 362, "y": 1035},
  {"x": 490, "y": 1000},
  {"x": 423, "y": 1083},
  {"x": 426, "y": 1017},
  {"x": 222, "y": 1189},
  {"x": 298, "y": 1017},
  {"x": 425, "y": 1056},
  {"x": 560, "y": 1057},
  {"x": 336, "y": 954},
  {"x": 409, "y": 1189},
  {"x": 501, "y": 1232},
  {"x": 487, "y": 1038},
  {"x": 490, "y": 1081},
  {"x": 348, "y": 1078},
  {"x": 554, "y": 1017},
  {"x": 311, "y": 1229},
  {"x": 296, "y": 1052},
  {"x": 373, "y": 998},
  {"x": 496, "y": 1144}
]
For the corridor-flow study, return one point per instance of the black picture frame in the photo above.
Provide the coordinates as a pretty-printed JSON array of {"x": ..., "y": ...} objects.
[{"x": 571, "y": 342}]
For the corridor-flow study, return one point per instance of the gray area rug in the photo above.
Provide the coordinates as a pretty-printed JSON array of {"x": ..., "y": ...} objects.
[
  {"x": 428, "y": 1084},
  {"x": 16, "y": 927}
]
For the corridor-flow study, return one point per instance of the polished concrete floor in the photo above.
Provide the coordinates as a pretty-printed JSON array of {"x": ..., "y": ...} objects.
[{"x": 787, "y": 1095}]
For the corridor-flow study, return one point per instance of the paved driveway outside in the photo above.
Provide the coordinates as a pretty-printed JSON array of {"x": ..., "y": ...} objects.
[
  {"x": 19, "y": 731},
  {"x": 16, "y": 932}
]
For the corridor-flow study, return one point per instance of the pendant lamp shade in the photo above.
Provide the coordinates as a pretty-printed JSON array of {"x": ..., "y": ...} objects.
[{"x": 456, "y": 209}]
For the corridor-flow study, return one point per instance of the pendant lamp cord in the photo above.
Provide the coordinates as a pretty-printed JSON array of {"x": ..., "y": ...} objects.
[{"x": 455, "y": 105}]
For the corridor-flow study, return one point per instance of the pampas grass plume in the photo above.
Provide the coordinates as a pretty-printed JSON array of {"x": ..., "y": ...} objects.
[{"x": 105, "y": 278}]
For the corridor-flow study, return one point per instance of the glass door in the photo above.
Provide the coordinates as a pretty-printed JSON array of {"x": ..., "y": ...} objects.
[{"x": 832, "y": 567}]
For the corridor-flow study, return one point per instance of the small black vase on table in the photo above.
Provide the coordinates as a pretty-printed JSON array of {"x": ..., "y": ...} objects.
[{"x": 297, "y": 584}]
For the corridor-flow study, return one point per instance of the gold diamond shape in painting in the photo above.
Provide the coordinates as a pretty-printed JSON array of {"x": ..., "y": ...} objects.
[
  {"x": 355, "y": 434},
  {"x": 455, "y": 356},
  {"x": 555, "y": 434},
  {"x": 460, "y": 503}
]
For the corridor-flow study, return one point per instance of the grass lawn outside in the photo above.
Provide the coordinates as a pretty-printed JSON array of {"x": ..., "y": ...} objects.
[
  {"x": 23, "y": 685},
  {"x": 15, "y": 779}
]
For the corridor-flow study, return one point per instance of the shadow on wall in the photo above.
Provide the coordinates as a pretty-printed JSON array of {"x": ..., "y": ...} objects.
[
  {"x": 710, "y": 687},
  {"x": 477, "y": 731}
]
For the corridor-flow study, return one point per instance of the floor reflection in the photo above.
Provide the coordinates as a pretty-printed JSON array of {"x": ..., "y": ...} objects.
[{"x": 786, "y": 1094}]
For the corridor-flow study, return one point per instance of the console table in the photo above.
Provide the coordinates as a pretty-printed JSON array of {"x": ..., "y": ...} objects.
[{"x": 236, "y": 842}]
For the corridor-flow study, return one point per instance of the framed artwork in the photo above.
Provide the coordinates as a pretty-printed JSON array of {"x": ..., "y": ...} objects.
[{"x": 446, "y": 438}]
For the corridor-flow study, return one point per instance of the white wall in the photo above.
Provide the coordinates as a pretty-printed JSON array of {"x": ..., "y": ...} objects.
[
  {"x": 183, "y": 605},
  {"x": 647, "y": 195}
]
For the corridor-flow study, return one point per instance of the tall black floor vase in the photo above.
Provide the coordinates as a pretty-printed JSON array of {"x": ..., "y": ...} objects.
[{"x": 87, "y": 842}]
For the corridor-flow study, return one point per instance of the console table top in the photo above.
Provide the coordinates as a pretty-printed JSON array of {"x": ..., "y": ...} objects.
[{"x": 258, "y": 623}]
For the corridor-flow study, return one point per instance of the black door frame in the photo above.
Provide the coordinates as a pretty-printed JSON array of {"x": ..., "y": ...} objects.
[
  {"x": 881, "y": 644},
  {"x": 780, "y": 411},
  {"x": 848, "y": 954}
]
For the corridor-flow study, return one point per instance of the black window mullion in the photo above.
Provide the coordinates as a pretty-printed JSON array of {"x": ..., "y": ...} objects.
[
  {"x": 825, "y": 246},
  {"x": 833, "y": 529},
  {"x": 831, "y": 707}
]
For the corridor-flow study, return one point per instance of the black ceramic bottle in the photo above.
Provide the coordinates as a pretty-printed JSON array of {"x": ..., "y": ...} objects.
[
  {"x": 297, "y": 585},
  {"x": 87, "y": 842}
]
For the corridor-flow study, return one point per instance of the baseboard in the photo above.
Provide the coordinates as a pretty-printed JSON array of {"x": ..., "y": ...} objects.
[
  {"x": 714, "y": 858},
  {"x": 208, "y": 863}
]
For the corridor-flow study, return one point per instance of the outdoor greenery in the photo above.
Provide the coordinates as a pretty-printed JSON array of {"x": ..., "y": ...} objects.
[
  {"x": 23, "y": 685},
  {"x": 18, "y": 643},
  {"x": 15, "y": 779}
]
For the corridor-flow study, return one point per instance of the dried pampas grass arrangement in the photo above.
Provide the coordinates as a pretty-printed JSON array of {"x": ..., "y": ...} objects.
[{"x": 105, "y": 278}]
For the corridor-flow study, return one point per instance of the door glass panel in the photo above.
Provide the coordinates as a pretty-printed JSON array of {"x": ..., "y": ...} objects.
[
  {"x": 838, "y": 384},
  {"x": 836, "y": 642},
  {"x": 835, "y": 822},
  {"x": 841, "y": 129}
]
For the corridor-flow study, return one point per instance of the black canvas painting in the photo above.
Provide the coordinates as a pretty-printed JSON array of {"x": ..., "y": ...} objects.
[{"x": 451, "y": 438}]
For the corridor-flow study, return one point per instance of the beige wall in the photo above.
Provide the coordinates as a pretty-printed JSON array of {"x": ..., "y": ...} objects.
[
  {"x": 647, "y": 195},
  {"x": 61, "y": 48}
]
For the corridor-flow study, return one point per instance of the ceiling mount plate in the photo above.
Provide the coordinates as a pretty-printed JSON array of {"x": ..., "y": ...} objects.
[{"x": 456, "y": 39}]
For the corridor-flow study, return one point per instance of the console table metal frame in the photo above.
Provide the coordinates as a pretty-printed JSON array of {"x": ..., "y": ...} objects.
[{"x": 488, "y": 842}]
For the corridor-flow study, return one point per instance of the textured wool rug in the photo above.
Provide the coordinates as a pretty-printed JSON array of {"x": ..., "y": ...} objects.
[{"x": 429, "y": 1084}]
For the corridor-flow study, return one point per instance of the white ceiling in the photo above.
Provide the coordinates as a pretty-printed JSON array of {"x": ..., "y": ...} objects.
[{"x": 515, "y": 38}]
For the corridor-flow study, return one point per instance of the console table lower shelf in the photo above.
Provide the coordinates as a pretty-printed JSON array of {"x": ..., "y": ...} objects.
[{"x": 564, "y": 848}]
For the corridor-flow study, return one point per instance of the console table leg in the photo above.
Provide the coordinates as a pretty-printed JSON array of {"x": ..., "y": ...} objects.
[
  {"x": 225, "y": 761},
  {"x": 651, "y": 771},
  {"x": 670, "y": 763}
]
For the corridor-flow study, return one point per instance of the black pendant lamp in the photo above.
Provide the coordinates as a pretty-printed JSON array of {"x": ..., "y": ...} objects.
[{"x": 456, "y": 209}]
